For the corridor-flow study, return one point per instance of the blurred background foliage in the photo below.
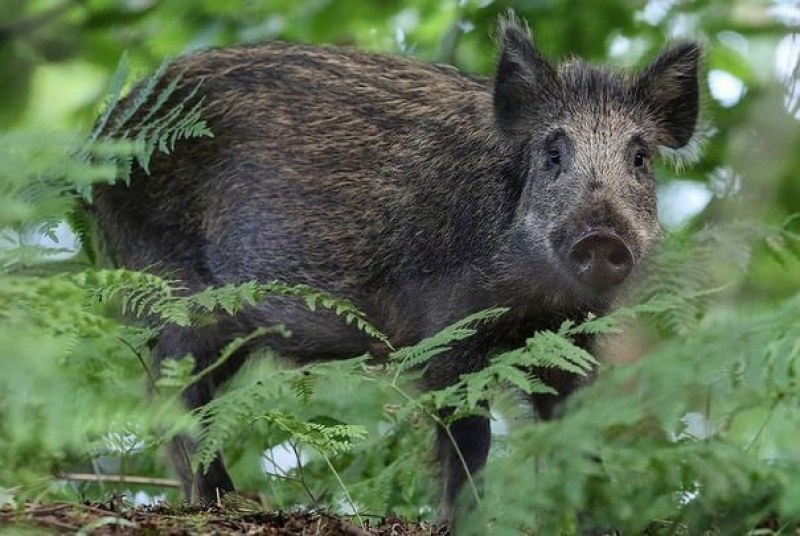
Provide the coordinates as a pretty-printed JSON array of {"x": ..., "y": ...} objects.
[{"x": 56, "y": 59}]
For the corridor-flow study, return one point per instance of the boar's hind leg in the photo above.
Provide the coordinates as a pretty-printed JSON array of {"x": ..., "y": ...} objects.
[{"x": 205, "y": 344}]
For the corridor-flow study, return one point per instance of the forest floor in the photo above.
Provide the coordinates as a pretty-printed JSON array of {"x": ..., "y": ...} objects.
[
  {"x": 106, "y": 518},
  {"x": 110, "y": 519}
]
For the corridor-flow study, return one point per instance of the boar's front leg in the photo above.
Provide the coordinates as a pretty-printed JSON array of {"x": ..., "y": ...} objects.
[
  {"x": 472, "y": 437},
  {"x": 463, "y": 447}
]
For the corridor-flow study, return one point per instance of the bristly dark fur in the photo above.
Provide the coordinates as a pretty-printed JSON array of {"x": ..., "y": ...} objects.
[{"x": 419, "y": 193}]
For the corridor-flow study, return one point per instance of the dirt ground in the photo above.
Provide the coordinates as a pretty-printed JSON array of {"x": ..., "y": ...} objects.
[{"x": 106, "y": 518}]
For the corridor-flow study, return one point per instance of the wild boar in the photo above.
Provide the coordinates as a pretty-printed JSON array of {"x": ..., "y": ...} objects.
[{"x": 417, "y": 192}]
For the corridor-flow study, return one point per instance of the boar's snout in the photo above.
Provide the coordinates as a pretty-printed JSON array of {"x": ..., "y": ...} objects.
[{"x": 600, "y": 259}]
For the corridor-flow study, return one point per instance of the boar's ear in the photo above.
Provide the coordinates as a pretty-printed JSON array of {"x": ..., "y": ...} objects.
[
  {"x": 670, "y": 87},
  {"x": 522, "y": 77}
]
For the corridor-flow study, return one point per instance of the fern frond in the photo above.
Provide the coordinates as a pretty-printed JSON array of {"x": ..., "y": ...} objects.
[
  {"x": 175, "y": 373},
  {"x": 303, "y": 386},
  {"x": 139, "y": 98},
  {"x": 227, "y": 415},
  {"x": 413, "y": 356},
  {"x": 118, "y": 81},
  {"x": 181, "y": 121}
]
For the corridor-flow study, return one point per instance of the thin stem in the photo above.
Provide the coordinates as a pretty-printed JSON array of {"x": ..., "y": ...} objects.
[
  {"x": 150, "y": 378},
  {"x": 344, "y": 488},
  {"x": 764, "y": 425},
  {"x": 439, "y": 422},
  {"x": 227, "y": 353},
  {"x": 301, "y": 473}
]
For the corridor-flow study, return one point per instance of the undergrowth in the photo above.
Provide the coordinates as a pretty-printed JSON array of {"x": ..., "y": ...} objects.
[{"x": 700, "y": 434}]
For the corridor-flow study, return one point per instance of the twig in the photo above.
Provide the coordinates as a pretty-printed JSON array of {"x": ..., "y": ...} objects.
[
  {"x": 43, "y": 511},
  {"x": 125, "y": 479},
  {"x": 90, "y": 508},
  {"x": 301, "y": 474}
]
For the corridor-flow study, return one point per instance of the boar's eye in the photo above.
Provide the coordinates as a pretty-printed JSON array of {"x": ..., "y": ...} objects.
[
  {"x": 639, "y": 158},
  {"x": 557, "y": 149}
]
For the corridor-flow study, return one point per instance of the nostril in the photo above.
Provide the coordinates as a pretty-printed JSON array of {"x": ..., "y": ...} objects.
[
  {"x": 581, "y": 254},
  {"x": 619, "y": 256}
]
